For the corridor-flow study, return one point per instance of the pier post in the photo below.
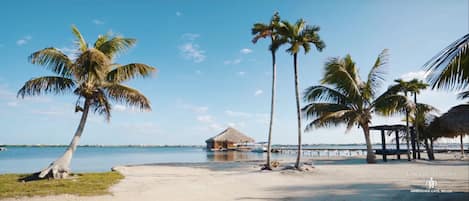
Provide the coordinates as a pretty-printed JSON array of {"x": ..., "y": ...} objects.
[{"x": 383, "y": 144}]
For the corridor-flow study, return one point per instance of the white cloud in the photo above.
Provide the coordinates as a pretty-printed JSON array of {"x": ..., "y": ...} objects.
[
  {"x": 237, "y": 114},
  {"x": 24, "y": 40},
  {"x": 205, "y": 118},
  {"x": 198, "y": 72},
  {"x": 195, "y": 109},
  {"x": 421, "y": 75},
  {"x": 192, "y": 51},
  {"x": 258, "y": 92},
  {"x": 98, "y": 22},
  {"x": 120, "y": 108},
  {"x": 241, "y": 73},
  {"x": 178, "y": 13},
  {"x": 246, "y": 51}
]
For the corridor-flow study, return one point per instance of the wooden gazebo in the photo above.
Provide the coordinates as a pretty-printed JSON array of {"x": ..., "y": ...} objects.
[{"x": 390, "y": 129}]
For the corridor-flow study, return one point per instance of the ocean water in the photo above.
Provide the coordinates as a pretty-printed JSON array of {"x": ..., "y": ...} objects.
[{"x": 99, "y": 159}]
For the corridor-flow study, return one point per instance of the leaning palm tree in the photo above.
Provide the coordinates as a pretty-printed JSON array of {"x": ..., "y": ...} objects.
[
  {"x": 422, "y": 116},
  {"x": 94, "y": 78},
  {"x": 259, "y": 31},
  {"x": 344, "y": 98},
  {"x": 449, "y": 69},
  {"x": 299, "y": 36}
]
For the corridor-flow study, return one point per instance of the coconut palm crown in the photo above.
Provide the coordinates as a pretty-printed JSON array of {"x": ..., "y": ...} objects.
[
  {"x": 344, "y": 98},
  {"x": 93, "y": 77}
]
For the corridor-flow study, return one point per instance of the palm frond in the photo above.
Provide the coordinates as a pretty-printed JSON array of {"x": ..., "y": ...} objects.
[
  {"x": 463, "y": 95},
  {"x": 324, "y": 94},
  {"x": 54, "y": 60},
  {"x": 91, "y": 66},
  {"x": 376, "y": 74},
  {"x": 127, "y": 95},
  {"x": 342, "y": 75},
  {"x": 80, "y": 41},
  {"x": 129, "y": 71},
  {"x": 450, "y": 67},
  {"x": 331, "y": 119},
  {"x": 101, "y": 40},
  {"x": 45, "y": 85},
  {"x": 101, "y": 105},
  {"x": 116, "y": 45},
  {"x": 389, "y": 104},
  {"x": 315, "y": 110}
]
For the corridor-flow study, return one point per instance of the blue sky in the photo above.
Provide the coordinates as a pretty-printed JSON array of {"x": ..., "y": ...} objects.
[{"x": 210, "y": 75}]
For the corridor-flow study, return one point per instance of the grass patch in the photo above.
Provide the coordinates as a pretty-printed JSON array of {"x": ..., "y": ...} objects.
[{"x": 86, "y": 184}]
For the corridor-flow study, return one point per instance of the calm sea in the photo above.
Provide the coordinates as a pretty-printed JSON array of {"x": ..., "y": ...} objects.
[{"x": 97, "y": 159}]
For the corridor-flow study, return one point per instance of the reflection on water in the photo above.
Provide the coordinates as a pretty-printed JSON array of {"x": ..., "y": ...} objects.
[{"x": 232, "y": 156}]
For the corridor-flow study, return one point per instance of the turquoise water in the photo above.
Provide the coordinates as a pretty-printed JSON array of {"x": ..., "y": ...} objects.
[{"x": 98, "y": 159}]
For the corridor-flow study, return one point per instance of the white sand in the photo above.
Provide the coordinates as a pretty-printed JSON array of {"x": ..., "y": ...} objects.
[{"x": 336, "y": 179}]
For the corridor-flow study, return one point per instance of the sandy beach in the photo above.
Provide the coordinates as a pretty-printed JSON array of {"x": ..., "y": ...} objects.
[{"x": 330, "y": 179}]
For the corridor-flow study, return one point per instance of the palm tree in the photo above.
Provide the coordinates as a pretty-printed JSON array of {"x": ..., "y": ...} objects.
[
  {"x": 414, "y": 87},
  {"x": 420, "y": 120},
  {"x": 449, "y": 69},
  {"x": 94, "y": 78},
  {"x": 344, "y": 98},
  {"x": 259, "y": 31},
  {"x": 299, "y": 36}
]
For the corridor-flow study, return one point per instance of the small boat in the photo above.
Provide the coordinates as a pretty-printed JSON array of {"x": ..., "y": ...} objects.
[
  {"x": 260, "y": 147},
  {"x": 3, "y": 148}
]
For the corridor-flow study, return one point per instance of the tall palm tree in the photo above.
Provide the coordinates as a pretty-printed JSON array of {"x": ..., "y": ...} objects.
[
  {"x": 344, "y": 97},
  {"x": 94, "y": 78},
  {"x": 449, "y": 69},
  {"x": 300, "y": 36},
  {"x": 259, "y": 31},
  {"x": 414, "y": 87}
]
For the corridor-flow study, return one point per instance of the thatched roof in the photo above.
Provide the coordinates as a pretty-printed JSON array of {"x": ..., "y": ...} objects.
[
  {"x": 231, "y": 135},
  {"x": 451, "y": 124},
  {"x": 398, "y": 127}
]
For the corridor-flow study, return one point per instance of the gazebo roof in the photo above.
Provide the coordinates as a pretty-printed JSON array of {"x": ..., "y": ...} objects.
[{"x": 231, "y": 135}]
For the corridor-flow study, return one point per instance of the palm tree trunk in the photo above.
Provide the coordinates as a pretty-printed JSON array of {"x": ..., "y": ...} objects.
[
  {"x": 462, "y": 146},
  {"x": 370, "y": 154},
  {"x": 407, "y": 130},
  {"x": 268, "y": 165},
  {"x": 298, "y": 110},
  {"x": 429, "y": 150},
  {"x": 61, "y": 167},
  {"x": 416, "y": 126}
]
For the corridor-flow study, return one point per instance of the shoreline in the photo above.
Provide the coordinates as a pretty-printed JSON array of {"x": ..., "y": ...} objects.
[{"x": 330, "y": 179}]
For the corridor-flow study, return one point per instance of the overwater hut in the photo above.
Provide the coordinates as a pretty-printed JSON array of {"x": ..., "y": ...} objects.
[{"x": 229, "y": 139}]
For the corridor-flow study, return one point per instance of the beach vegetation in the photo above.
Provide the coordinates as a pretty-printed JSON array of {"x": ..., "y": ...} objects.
[{"x": 80, "y": 184}]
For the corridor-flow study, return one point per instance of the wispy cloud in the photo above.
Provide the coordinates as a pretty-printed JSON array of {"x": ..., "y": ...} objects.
[
  {"x": 258, "y": 92},
  {"x": 198, "y": 72},
  {"x": 241, "y": 73},
  {"x": 120, "y": 108},
  {"x": 245, "y": 51},
  {"x": 421, "y": 75},
  {"x": 24, "y": 40},
  {"x": 195, "y": 109},
  {"x": 234, "y": 61},
  {"x": 231, "y": 113},
  {"x": 146, "y": 128},
  {"x": 12, "y": 103},
  {"x": 205, "y": 118},
  {"x": 178, "y": 13},
  {"x": 191, "y": 50},
  {"x": 98, "y": 22}
]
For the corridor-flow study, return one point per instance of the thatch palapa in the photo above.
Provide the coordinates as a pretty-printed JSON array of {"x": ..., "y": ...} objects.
[{"x": 230, "y": 138}]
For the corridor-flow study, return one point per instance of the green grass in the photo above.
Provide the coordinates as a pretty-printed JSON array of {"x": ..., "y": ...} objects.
[{"x": 86, "y": 184}]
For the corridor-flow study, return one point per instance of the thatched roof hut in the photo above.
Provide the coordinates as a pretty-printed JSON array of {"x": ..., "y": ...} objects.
[
  {"x": 227, "y": 139},
  {"x": 451, "y": 124}
]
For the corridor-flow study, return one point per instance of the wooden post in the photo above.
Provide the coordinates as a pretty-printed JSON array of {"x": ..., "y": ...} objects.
[
  {"x": 397, "y": 145},
  {"x": 412, "y": 139},
  {"x": 383, "y": 144}
]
